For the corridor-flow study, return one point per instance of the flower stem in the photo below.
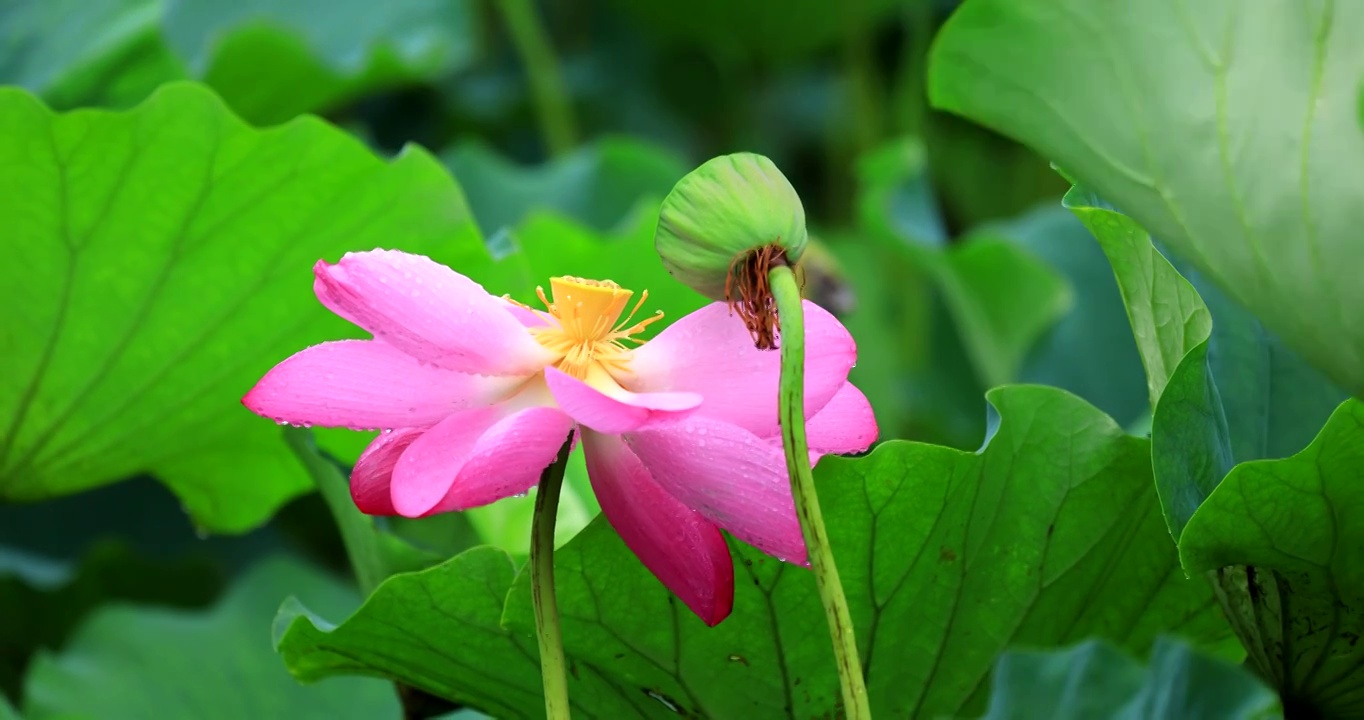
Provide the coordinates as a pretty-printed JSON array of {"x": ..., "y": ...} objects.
[
  {"x": 791, "y": 315},
  {"x": 552, "y": 667},
  {"x": 542, "y": 70}
]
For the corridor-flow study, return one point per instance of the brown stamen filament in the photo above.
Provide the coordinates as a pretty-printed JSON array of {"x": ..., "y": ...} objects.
[{"x": 748, "y": 292}]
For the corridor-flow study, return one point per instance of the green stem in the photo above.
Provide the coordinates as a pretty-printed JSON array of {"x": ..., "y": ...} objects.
[
  {"x": 542, "y": 68},
  {"x": 792, "y": 413},
  {"x": 552, "y": 666},
  {"x": 865, "y": 102}
]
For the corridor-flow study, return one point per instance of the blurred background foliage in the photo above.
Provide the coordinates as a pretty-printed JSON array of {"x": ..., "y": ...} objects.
[{"x": 943, "y": 246}]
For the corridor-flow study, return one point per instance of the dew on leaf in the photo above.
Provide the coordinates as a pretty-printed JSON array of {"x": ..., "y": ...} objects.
[{"x": 666, "y": 701}]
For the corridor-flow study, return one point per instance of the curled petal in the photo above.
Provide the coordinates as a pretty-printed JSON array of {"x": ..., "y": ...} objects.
[
  {"x": 428, "y": 311},
  {"x": 731, "y": 476},
  {"x": 477, "y": 457},
  {"x": 621, "y": 410},
  {"x": 682, "y": 549},
  {"x": 369, "y": 481},
  {"x": 844, "y": 425},
  {"x": 362, "y": 384},
  {"x": 711, "y": 353}
]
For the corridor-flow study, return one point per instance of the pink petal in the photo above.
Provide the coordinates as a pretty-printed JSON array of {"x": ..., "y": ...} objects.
[
  {"x": 369, "y": 481},
  {"x": 476, "y": 457},
  {"x": 509, "y": 458},
  {"x": 428, "y": 311},
  {"x": 731, "y": 476},
  {"x": 527, "y": 317},
  {"x": 684, "y": 551},
  {"x": 845, "y": 425},
  {"x": 622, "y": 410},
  {"x": 364, "y": 384},
  {"x": 710, "y": 352}
]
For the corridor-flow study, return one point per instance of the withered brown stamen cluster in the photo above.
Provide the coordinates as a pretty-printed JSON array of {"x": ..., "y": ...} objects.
[{"x": 749, "y": 293}]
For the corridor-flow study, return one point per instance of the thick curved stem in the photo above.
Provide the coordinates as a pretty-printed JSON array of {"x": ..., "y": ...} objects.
[
  {"x": 791, "y": 315},
  {"x": 553, "y": 670}
]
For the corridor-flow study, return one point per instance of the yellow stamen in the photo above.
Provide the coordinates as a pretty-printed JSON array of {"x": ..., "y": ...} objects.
[{"x": 585, "y": 330}]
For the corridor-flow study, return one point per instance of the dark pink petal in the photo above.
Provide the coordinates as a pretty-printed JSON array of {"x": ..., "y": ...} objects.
[
  {"x": 682, "y": 549},
  {"x": 476, "y": 457},
  {"x": 428, "y": 311},
  {"x": 845, "y": 425},
  {"x": 369, "y": 481},
  {"x": 710, "y": 352},
  {"x": 365, "y": 384},
  {"x": 622, "y": 410},
  {"x": 734, "y": 478}
]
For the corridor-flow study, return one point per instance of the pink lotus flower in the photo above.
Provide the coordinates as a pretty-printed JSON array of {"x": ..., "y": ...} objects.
[{"x": 477, "y": 394}]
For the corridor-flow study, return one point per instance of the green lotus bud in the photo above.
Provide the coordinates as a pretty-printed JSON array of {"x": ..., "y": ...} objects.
[{"x": 724, "y": 226}]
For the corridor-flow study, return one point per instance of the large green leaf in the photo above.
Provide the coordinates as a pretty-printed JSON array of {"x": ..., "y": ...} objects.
[
  {"x": 1237, "y": 394},
  {"x": 1090, "y": 350},
  {"x": 1286, "y": 539},
  {"x": 439, "y": 630},
  {"x": 1229, "y": 130},
  {"x": 1095, "y": 680},
  {"x": 132, "y": 663},
  {"x": 1300, "y": 513},
  {"x": 161, "y": 264},
  {"x": 53, "y": 597},
  {"x": 597, "y": 185},
  {"x": 1031, "y": 297},
  {"x": 1050, "y": 534},
  {"x": 1226, "y": 390},
  {"x": 269, "y": 60},
  {"x": 1167, "y": 316}
]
